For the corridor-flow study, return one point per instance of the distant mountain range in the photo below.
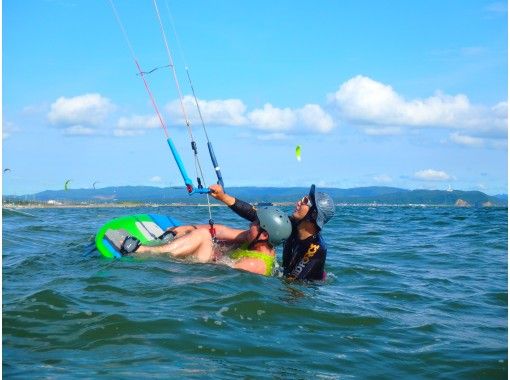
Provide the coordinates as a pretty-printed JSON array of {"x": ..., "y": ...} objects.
[{"x": 359, "y": 195}]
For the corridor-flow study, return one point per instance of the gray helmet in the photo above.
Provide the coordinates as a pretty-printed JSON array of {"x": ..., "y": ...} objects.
[
  {"x": 324, "y": 205},
  {"x": 275, "y": 222}
]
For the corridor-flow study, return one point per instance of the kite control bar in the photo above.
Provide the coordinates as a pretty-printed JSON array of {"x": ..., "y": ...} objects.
[{"x": 187, "y": 181}]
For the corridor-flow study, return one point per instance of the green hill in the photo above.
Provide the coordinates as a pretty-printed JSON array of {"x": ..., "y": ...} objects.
[{"x": 361, "y": 195}]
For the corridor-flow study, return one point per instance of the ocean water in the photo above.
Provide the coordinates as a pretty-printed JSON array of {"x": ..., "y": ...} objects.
[{"x": 418, "y": 293}]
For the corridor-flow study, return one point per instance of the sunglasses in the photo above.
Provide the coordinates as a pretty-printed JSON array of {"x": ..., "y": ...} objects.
[{"x": 306, "y": 201}]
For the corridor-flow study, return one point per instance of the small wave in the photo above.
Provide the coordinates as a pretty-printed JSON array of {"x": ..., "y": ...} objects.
[{"x": 9, "y": 212}]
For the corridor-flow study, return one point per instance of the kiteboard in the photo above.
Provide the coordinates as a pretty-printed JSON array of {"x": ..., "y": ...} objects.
[{"x": 145, "y": 227}]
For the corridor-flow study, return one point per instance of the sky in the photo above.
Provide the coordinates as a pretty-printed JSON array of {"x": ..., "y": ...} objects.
[{"x": 409, "y": 94}]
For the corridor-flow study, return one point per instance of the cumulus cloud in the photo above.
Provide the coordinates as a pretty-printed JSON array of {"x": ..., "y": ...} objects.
[
  {"x": 273, "y": 136},
  {"x": 135, "y": 125},
  {"x": 472, "y": 51},
  {"x": 138, "y": 122},
  {"x": 128, "y": 132},
  {"x": 501, "y": 111},
  {"x": 461, "y": 139},
  {"x": 314, "y": 117},
  {"x": 84, "y": 110},
  {"x": 383, "y": 131},
  {"x": 272, "y": 119},
  {"x": 8, "y": 129},
  {"x": 155, "y": 179},
  {"x": 233, "y": 112},
  {"x": 364, "y": 100},
  {"x": 432, "y": 175},
  {"x": 227, "y": 112},
  {"x": 497, "y": 7},
  {"x": 310, "y": 117},
  {"x": 79, "y": 130},
  {"x": 376, "y": 107},
  {"x": 383, "y": 178},
  {"x": 478, "y": 141},
  {"x": 35, "y": 109}
]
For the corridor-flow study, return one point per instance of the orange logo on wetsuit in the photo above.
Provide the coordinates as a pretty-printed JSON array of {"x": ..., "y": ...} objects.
[{"x": 312, "y": 250}]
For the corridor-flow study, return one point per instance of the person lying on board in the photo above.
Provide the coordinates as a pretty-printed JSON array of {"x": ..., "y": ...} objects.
[
  {"x": 252, "y": 250},
  {"x": 304, "y": 251}
]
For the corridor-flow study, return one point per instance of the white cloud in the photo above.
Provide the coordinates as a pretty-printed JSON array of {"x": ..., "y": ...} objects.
[
  {"x": 273, "y": 136},
  {"x": 501, "y": 110},
  {"x": 383, "y": 131},
  {"x": 466, "y": 140},
  {"x": 375, "y": 107},
  {"x": 233, "y": 112},
  {"x": 499, "y": 144},
  {"x": 315, "y": 118},
  {"x": 135, "y": 125},
  {"x": 472, "y": 51},
  {"x": 497, "y": 7},
  {"x": 8, "y": 129},
  {"x": 272, "y": 119},
  {"x": 79, "y": 130},
  {"x": 228, "y": 112},
  {"x": 128, "y": 132},
  {"x": 35, "y": 109},
  {"x": 88, "y": 109},
  {"x": 364, "y": 100},
  {"x": 432, "y": 175},
  {"x": 138, "y": 122},
  {"x": 383, "y": 178},
  {"x": 310, "y": 117},
  {"x": 478, "y": 142},
  {"x": 155, "y": 179}
]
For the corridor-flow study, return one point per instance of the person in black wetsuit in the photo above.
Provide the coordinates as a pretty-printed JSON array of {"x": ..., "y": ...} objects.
[{"x": 304, "y": 252}]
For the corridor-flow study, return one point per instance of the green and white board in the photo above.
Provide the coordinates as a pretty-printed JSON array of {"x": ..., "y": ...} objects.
[{"x": 145, "y": 227}]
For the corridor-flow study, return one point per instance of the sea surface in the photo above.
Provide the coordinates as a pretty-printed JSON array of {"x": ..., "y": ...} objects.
[{"x": 411, "y": 293}]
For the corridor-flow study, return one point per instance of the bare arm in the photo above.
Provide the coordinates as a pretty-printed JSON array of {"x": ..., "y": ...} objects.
[
  {"x": 182, "y": 230},
  {"x": 230, "y": 234}
]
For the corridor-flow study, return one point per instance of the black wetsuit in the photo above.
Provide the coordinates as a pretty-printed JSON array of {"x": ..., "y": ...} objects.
[{"x": 302, "y": 259}]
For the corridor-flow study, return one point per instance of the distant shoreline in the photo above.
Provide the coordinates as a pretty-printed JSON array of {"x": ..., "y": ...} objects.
[
  {"x": 41, "y": 205},
  {"x": 146, "y": 196},
  {"x": 102, "y": 205}
]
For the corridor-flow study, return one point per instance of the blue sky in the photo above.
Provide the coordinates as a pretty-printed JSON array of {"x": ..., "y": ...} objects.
[{"x": 411, "y": 94}]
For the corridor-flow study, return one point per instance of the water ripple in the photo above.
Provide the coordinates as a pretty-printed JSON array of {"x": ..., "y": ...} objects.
[{"x": 410, "y": 292}]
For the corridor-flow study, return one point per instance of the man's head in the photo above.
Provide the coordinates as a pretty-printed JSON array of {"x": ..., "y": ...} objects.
[
  {"x": 316, "y": 207},
  {"x": 275, "y": 223}
]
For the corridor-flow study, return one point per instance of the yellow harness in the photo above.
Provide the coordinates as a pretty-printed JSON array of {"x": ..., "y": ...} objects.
[{"x": 242, "y": 252}]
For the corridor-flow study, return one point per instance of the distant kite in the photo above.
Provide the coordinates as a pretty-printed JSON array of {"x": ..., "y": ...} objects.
[
  {"x": 67, "y": 184},
  {"x": 298, "y": 153},
  {"x": 94, "y": 184},
  {"x": 7, "y": 170}
]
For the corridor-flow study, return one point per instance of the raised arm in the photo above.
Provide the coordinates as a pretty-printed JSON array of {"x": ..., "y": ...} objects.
[{"x": 241, "y": 208}]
